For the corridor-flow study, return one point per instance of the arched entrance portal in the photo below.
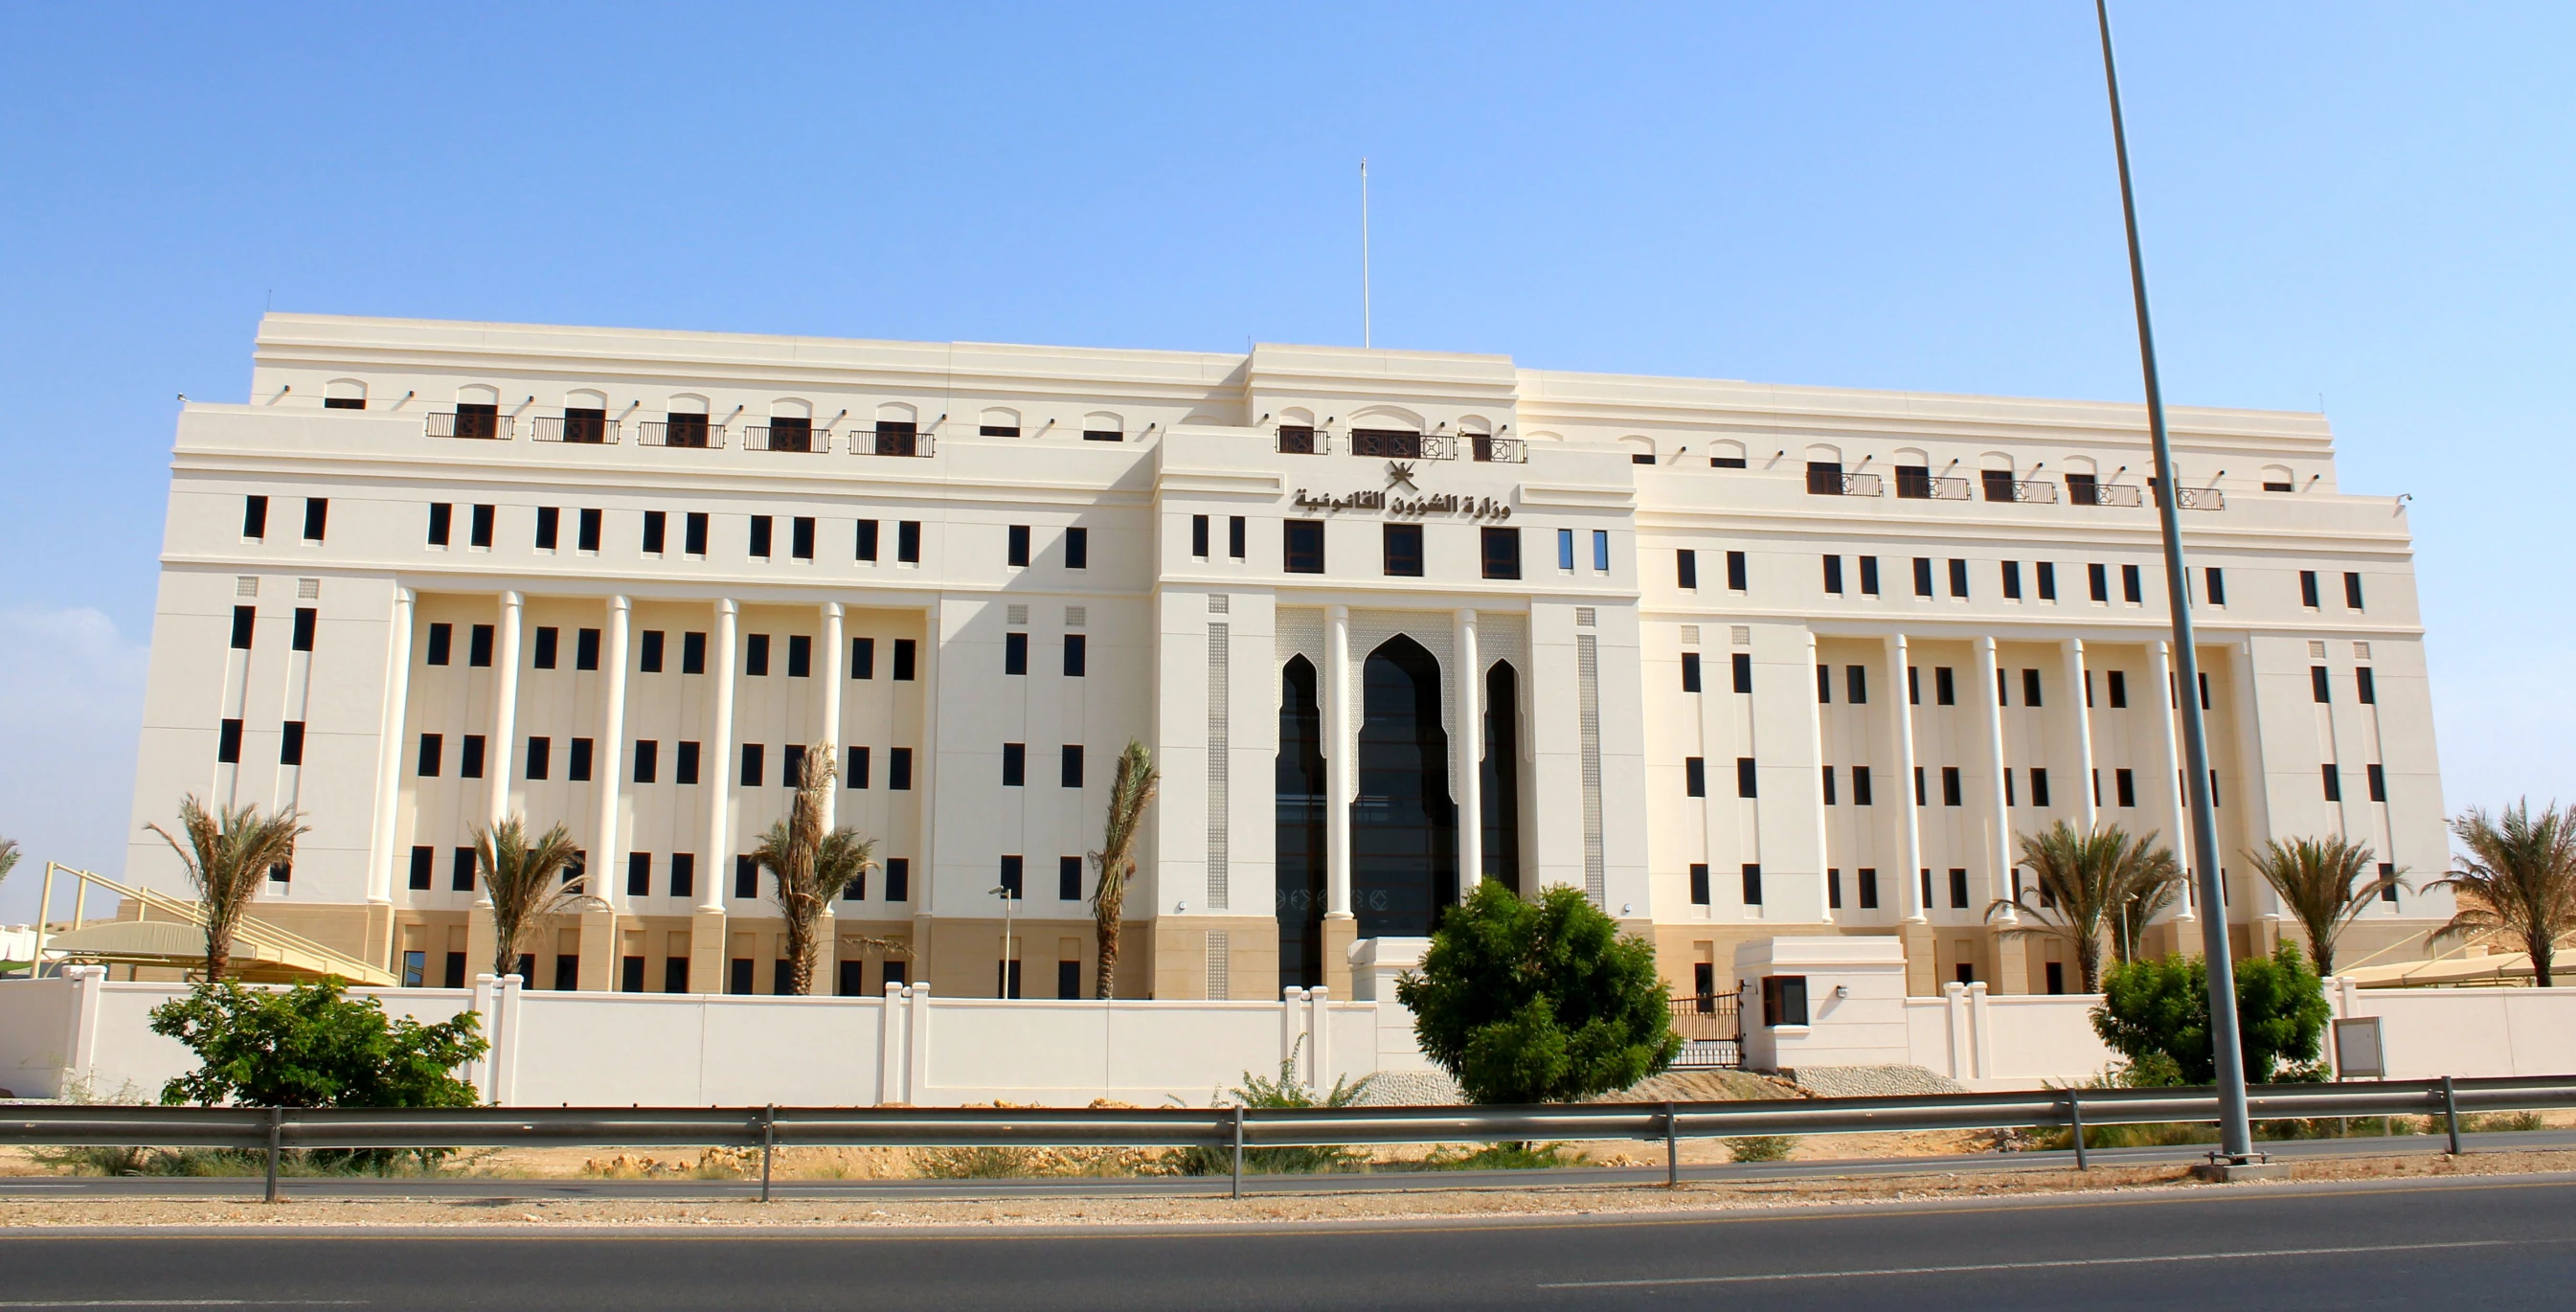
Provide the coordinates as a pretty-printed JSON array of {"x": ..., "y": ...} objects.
[
  {"x": 1404, "y": 828},
  {"x": 1300, "y": 787}
]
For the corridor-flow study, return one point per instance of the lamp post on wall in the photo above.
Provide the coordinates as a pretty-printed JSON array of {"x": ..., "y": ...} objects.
[
  {"x": 2236, "y": 1140},
  {"x": 1009, "y": 896}
]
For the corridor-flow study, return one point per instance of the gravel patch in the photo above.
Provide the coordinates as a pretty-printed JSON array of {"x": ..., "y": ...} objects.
[{"x": 1870, "y": 1081}]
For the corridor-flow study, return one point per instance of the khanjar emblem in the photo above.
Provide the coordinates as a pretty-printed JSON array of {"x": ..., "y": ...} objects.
[{"x": 1399, "y": 473}]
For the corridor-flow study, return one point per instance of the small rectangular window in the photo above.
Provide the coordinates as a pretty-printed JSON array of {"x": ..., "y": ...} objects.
[
  {"x": 548, "y": 640},
  {"x": 2132, "y": 589},
  {"x": 2038, "y": 786},
  {"x": 1016, "y": 548},
  {"x": 1076, "y": 655},
  {"x": 898, "y": 889},
  {"x": 863, "y": 658},
  {"x": 2320, "y": 683},
  {"x": 648, "y": 760},
  {"x": 1072, "y": 766},
  {"x": 2334, "y": 783},
  {"x": 657, "y": 526},
  {"x": 1403, "y": 550},
  {"x": 1945, "y": 686},
  {"x": 1834, "y": 575},
  {"x": 1015, "y": 653},
  {"x": 1746, "y": 777},
  {"x": 684, "y": 763},
  {"x": 755, "y": 655},
  {"x": 746, "y": 886},
  {"x": 442, "y": 523},
  {"x": 760, "y": 535},
  {"x": 1695, "y": 776},
  {"x": 290, "y": 743},
  {"x": 1199, "y": 536},
  {"x": 2124, "y": 787},
  {"x": 1868, "y": 881},
  {"x": 2119, "y": 689},
  {"x": 254, "y": 517},
  {"x": 684, "y": 883},
  {"x": 2012, "y": 580},
  {"x": 469, "y": 757},
  {"x": 1302, "y": 546},
  {"x": 424, "y": 865},
  {"x": 800, "y": 656},
  {"x": 1737, "y": 579},
  {"x": 2378, "y": 783},
  {"x": 800, "y": 537},
  {"x": 577, "y": 761},
  {"x": 1833, "y": 890},
  {"x": 479, "y": 534},
  {"x": 549, "y": 527},
  {"x": 1565, "y": 550},
  {"x": 754, "y": 761},
  {"x": 478, "y": 646},
  {"x": 1824, "y": 685},
  {"x": 867, "y": 540},
  {"x": 639, "y": 876},
  {"x": 2030, "y": 688},
  {"x": 1601, "y": 551},
  {"x": 2365, "y": 688},
  {"x": 899, "y": 779},
  {"x": 1829, "y": 785},
  {"x": 1690, "y": 671},
  {"x": 1860, "y": 786},
  {"x": 1856, "y": 684},
  {"x": 855, "y": 773},
  {"x": 245, "y": 619},
  {"x": 427, "y": 765},
  {"x": 2308, "y": 588},
  {"x": 2352, "y": 591},
  {"x": 460, "y": 872},
  {"x": 1921, "y": 798},
  {"x": 1235, "y": 539},
  {"x": 2045, "y": 575},
  {"x": 649, "y": 652},
  {"x": 1923, "y": 576},
  {"x": 1959, "y": 579},
  {"x": 693, "y": 653},
  {"x": 907, "y": 542},
  {"x": 1742, "y": 665},
  {"x": 2217, "y": 585},
  {"x": 2098, "y": 578},
  {"x": 1014, "y": 870},
  {"x": 1699, "y": 892},
  {"x": 1077, "y": 548},
  {"x": 1752, "y": 884},
  {"x": 585, "y": 649},
  {"x": 1068, "y": 882},
  {"x": 791, "y": 766},
  {"x": 1015, "y": 765},
  {"x": 1502, "y": 552},
  {"x": 1958, "y": 888},
  {"x": 1869, "y": 576},
  {"x": 540, "y": 757},
  {"x": 1951, "y": 792},
  {"x": 1686, "y": 569},
  {"x": 904, "y": 659},
  {"x": 317, "y": 517}
]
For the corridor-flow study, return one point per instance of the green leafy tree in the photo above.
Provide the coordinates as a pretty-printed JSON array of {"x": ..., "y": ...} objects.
[
  {"x": 2084, "y": 884},
  {"x": 1131, "y": 790},
  {"x": 524, "y": 881},
  {"x": 1539, "y": 1001},
  {"x": 2156, "y": 1013},
  {"x": 2517, "y": 880},
  {"x": 314, "y": 1046},
  {"x": 228, "y": 855},
  {"x": 2326, "y": 883},
  {"x": 809, "y": 866}
]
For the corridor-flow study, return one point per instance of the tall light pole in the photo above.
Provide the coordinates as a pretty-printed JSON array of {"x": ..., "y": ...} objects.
[{"x": 2235, "y": 1135}]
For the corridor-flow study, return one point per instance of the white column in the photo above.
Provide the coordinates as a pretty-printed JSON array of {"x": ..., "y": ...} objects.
[
  {"x": 2247, "y": 788},
  {"x": 719, "y": 764},
  {"x": 1815, "y": 785},
  {"x": 607, "y": 879},
  {"x": 925, "y": 776},
  {"x": 1990, "y": 687},
  {"x": 2079, "y": 693},
  {"x": 1467, "y": 687},
  {"x": 1340, "y": 785},
  {"x": 505, "y": 707},
  {"x": 1909, "y": 828},
  {"x": 389, "y": 752},
  {"x": 834, "y": 653},
  {"x": 2177, "y": 831}
]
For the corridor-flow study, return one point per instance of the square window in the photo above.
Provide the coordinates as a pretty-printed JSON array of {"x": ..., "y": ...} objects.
[
  {"x": 1403, "y": 546},
  {"x": 1502, "y": 552},
  {"x": 1303, "y": 546}
]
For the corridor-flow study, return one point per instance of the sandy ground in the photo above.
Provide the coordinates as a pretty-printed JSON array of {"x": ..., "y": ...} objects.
[{"x": 1516, "y": 1201}]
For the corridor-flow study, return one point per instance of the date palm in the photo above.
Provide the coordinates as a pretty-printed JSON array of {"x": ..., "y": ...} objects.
[
  {"x": 2087, "y": 883},
  {"x": 526, "y": 882},
  {"x": 1131, "y": 790},
  {"x": 809, "y": 866},
  {"x": 8, "y": 856},
  {"x": 2517, "y": 879},
  {"x": 2326, "y": 883},
  {"x": 228, "y": 854}
]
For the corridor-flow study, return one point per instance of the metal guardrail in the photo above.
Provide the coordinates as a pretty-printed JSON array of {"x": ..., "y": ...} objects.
[{"x": 767, "y": 1128}]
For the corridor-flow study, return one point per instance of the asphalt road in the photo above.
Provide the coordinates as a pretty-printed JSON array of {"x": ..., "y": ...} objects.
[
  {"x": 2458, "y": 1244},
  {"x": 451, "y": 1188}
]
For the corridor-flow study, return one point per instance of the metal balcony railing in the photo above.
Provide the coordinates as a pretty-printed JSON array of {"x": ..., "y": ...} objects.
[
  {"x": 769, "y": 437},
  {"x": 1395, "y": 444},
  {"x": 1827, "y": 483},
  {"x": 1298, "y": 440},
  {"x": 1499, "y": 450},
  {"x": 2200, "y": 498},
  {"x": 2034, "y": 491},
  {"x": 575, "y": 429},
  {"x": 448, "y": 423},
  {"x": 2104, "y": 494},
  {"x": 1924, "y": 486},
  {"x": 657, "y": 432},
  {"x": 884, "y": 441}
]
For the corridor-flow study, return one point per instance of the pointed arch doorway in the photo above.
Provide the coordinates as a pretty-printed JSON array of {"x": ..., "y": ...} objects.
[{"x": 1404, "y": 827}]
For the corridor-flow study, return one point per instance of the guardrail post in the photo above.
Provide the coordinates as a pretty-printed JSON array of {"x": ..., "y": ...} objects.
[
  {"x": 1238, "y": 1153},
  {"x": 1672, "y": 1150},
  {"x": 2451, "y": 1114},
  {"x": 768, "y": 1142},
  {"x": 276, "y": 1131},
  {"x": 2075, "y": 1114}
]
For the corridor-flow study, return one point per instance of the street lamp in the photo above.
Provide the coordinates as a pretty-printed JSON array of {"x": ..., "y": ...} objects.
[
  {"x": 1009, "y": 895},
  {"x": 2236, "y": 1139}
]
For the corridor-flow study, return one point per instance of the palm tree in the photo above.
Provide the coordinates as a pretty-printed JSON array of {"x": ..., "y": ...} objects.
[
  {"x": 2517, "y": 879},
  {"x": 2319, "y": 881},
  {"x": 228, "y": 856},
  {"x": 1130, "y": 791},
  {"x": 2087, "y": 883},
  {"x": 811, "y": 867},
  {"x": 525, "y": 882},
  {"x": 8, "y": 856}
]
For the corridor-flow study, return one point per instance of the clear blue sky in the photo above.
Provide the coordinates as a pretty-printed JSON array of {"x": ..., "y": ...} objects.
[{"x": 2364, "y": 207}]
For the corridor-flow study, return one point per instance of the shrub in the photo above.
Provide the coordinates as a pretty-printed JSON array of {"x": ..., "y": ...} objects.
[
  {"x": 1283, "y": 1091},
  {"x": 1503, "y": 1157},
  {"x": 1539, "y": 1001},
  {"x": 2157, "y": 1012},
  {"x": 314, "y": 1046},
  {"x": 1761, "y": 1147}
]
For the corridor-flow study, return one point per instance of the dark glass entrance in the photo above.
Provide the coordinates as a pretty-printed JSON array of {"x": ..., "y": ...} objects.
[
  {"x": 1300, "y": 787},
  {"x": 1404, "y": 834},
  {"x": 1498, "y": 786}
]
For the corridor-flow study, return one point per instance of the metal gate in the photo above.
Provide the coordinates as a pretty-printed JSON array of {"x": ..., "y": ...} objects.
[{"x": 1712, "y": 1030}]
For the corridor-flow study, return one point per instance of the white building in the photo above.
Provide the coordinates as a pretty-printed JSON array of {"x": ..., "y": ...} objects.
[{"x": 436, "y": 573}]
